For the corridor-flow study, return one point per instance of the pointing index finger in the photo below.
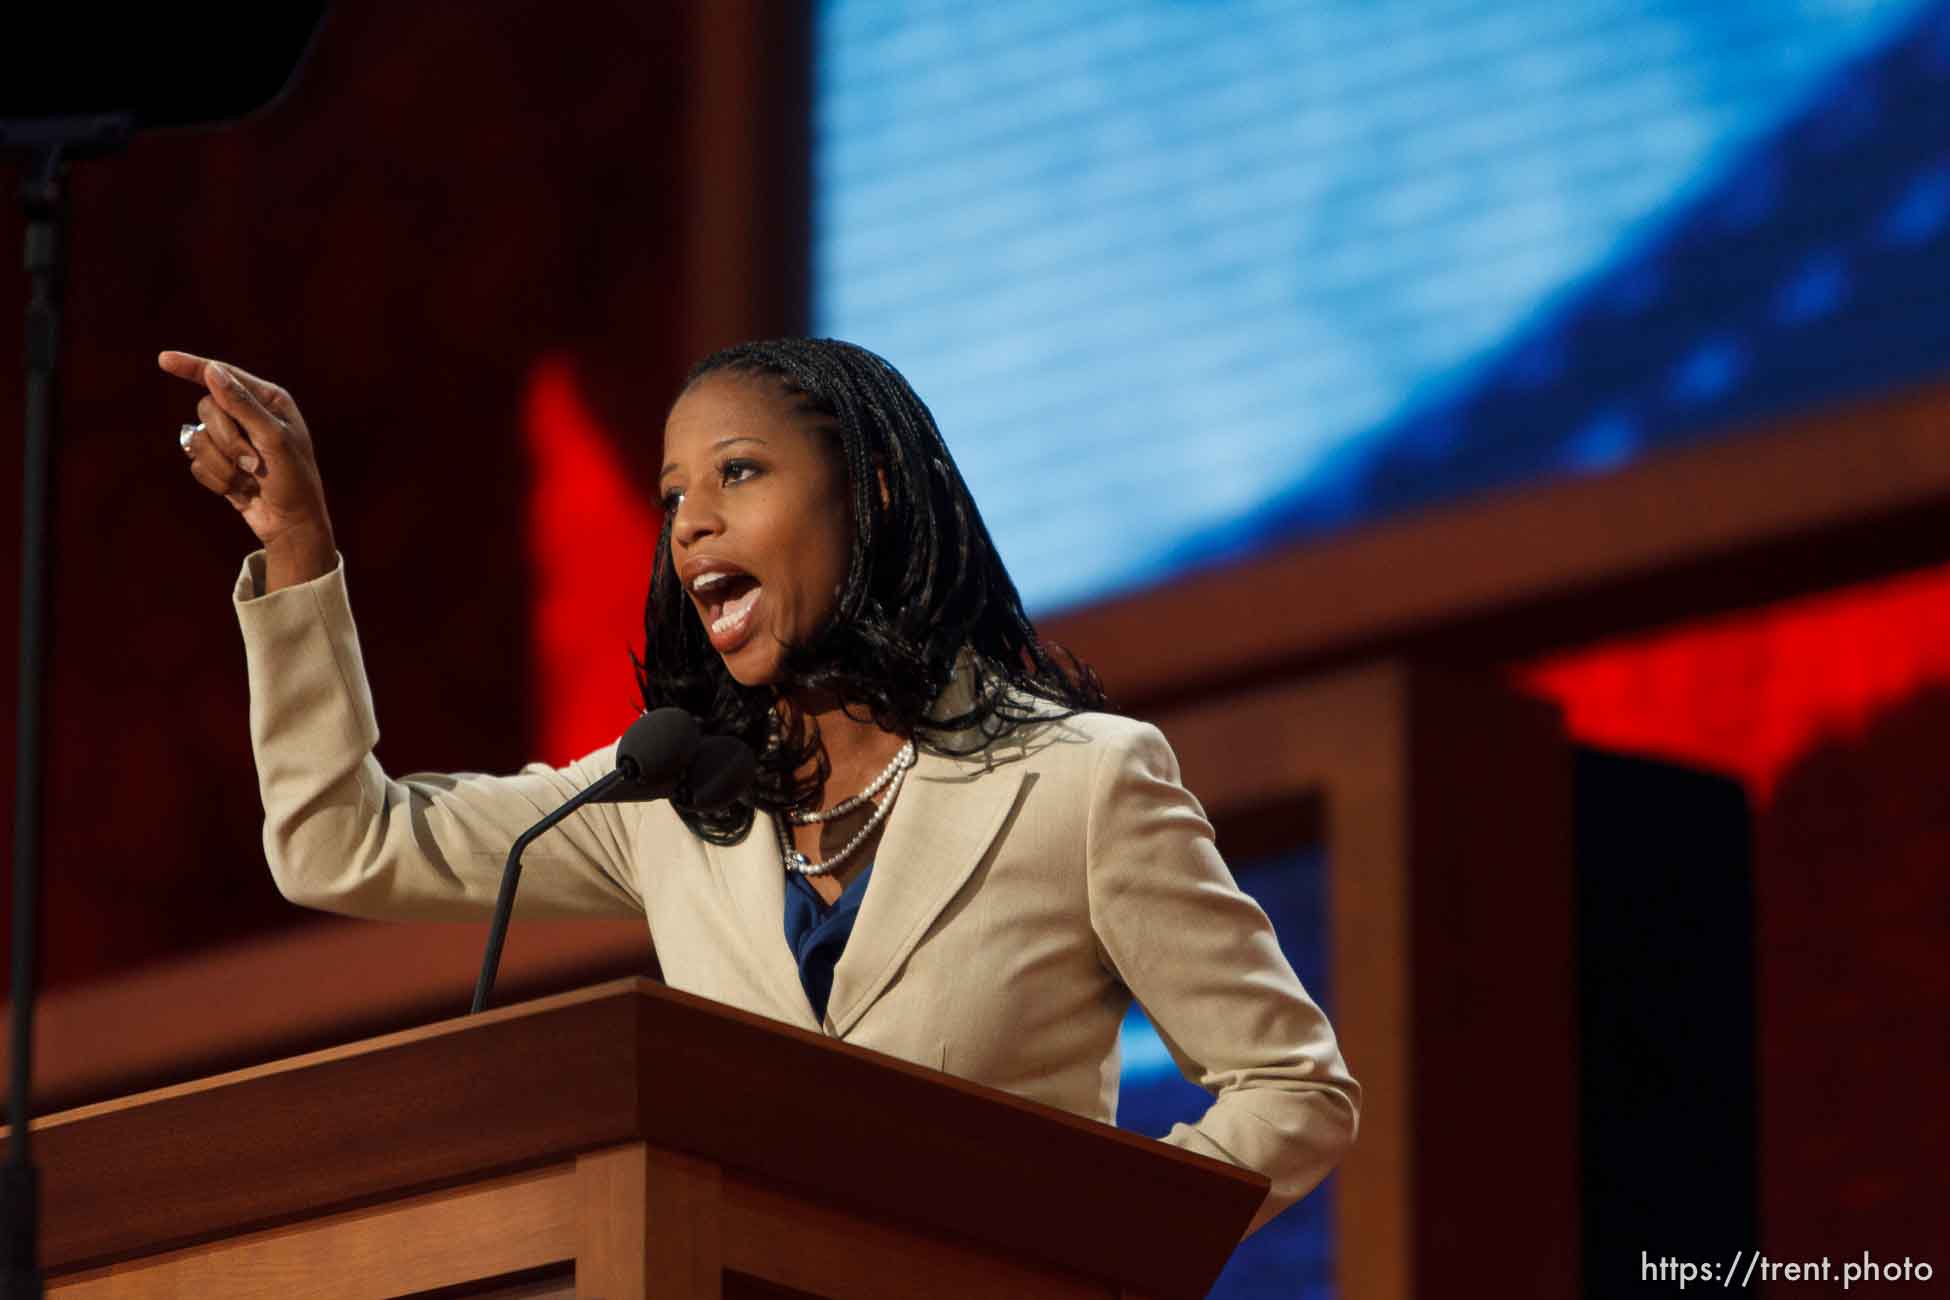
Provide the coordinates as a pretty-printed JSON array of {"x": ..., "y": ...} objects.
[{"x": 187, "y": 365}]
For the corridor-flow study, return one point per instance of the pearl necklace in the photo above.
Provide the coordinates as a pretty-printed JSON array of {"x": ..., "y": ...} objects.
[
  {"x": 890, "y": 780},
  {"x": 902, "y": 760}
]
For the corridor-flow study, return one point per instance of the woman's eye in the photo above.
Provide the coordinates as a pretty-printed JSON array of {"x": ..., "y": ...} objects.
[{"x": 732, "y": 471}]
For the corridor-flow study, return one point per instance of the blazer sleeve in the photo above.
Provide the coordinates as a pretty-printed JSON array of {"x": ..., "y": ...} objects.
[
  {"x": 342, "y": 835},
  {"x": 1202, "y": 959}
]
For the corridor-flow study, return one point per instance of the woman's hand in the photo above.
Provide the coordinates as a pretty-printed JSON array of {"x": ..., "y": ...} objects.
[{"x": 255, "y": 452}]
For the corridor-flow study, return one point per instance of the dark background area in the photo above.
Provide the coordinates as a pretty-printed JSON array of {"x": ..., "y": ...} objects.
[{"x": 445, "y": 196}]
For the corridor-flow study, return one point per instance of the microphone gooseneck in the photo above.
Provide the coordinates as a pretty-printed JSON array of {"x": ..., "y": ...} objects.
[{"x": 652, "y": 757}]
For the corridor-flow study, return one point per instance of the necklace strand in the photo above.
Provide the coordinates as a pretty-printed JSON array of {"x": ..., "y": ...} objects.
[
  {"x": 798, "y": 862},
  {"x": 902, "y": 760}
]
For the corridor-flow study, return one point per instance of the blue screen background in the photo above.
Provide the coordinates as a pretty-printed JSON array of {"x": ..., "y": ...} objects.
[{"x": 1184, "y": 280}]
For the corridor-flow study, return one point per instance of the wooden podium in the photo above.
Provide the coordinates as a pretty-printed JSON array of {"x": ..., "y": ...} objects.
[{"x": 622, "y": 1140}]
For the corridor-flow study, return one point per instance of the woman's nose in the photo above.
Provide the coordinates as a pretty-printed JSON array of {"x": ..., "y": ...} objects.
[{"x": 695, "y": 520}]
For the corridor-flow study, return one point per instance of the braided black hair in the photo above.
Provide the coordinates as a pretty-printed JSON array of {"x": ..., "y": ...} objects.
[{"x": 923, "y": 585}]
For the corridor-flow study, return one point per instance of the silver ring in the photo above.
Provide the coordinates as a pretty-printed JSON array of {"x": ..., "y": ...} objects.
[{"x": 189, "y": 431}]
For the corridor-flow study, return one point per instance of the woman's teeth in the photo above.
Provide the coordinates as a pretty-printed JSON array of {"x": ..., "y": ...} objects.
[{"x": 735, "y": 611}]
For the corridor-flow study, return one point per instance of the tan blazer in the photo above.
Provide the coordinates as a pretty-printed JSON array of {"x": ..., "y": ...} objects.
[{"x": 1019, "y": 898}]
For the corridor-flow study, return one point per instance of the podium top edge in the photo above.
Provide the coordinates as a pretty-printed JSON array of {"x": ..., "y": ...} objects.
[{"x": 629, "y": 986}]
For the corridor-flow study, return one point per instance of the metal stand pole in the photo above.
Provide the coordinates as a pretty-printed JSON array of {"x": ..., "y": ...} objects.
[{"x": 20, "y": 1183}]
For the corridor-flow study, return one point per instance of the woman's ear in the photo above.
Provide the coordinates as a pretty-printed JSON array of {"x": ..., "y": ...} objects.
[{"x": 880, "y": 472}]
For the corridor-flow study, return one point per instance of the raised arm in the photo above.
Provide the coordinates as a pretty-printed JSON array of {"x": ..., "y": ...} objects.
[{"x": 339, "y": 833}]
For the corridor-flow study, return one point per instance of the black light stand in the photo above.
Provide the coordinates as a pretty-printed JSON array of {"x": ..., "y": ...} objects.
[
  {"x": 54, "y": 113},
  {"x": 50, "y": 142}
]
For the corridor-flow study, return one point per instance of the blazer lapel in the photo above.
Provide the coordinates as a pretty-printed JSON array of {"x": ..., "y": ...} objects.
[
  {"x": 941, "y": 826},
  {"x": 750, "y": 872}
]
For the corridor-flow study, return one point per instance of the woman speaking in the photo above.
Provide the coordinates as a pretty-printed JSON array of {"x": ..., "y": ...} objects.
[{"x": 953, "y": 853}]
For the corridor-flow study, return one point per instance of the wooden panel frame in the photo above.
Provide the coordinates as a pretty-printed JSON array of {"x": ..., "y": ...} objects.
[
  {"x": 509, "y": 1225},
  {"x": 629, "y": 1220},
  {"x": 1444, "y": 804},
  {"x": 326, "y": 982},
  {"x": 749, "y": 159},
  {"x": 1804, "y": 505},
  {"x": 653, "y": 1224}
]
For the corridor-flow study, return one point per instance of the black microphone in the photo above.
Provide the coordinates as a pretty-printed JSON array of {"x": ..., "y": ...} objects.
[
  {"x": 722, "y": 772},
  {"x": 652, "y": 758}
]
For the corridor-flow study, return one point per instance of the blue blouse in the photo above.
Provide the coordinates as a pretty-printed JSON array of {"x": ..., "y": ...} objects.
[{"x": 817, "y": 933}]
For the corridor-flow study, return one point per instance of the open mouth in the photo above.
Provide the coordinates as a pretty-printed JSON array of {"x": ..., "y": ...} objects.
[{"x": 726, "y": 602}]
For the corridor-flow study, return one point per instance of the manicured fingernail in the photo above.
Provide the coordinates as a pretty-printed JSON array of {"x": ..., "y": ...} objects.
[
  {"x": 221, "y": 375},
  {"x": 247, "y": 463}
]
